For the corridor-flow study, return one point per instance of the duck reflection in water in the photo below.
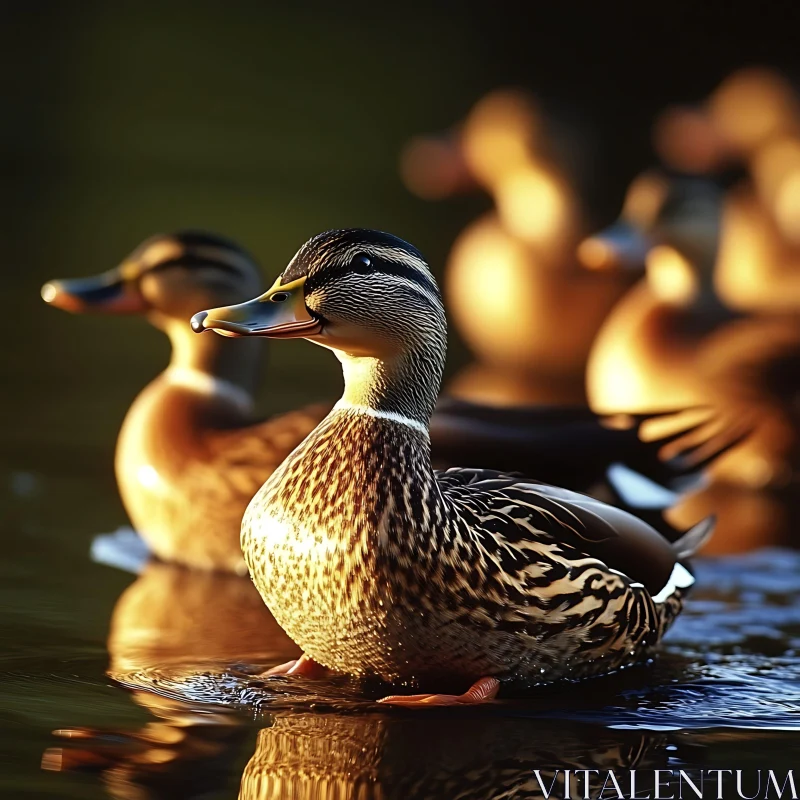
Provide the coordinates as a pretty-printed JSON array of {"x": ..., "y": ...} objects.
[
  {"x": 476, "y": 757},
  {"x": 176, "y": 616},
  {"x": 193, "y": 754},
  {"x": 186, "y": 753},
  {"x": 170, "y": 628},
  {"x": 177, "y": 631}
]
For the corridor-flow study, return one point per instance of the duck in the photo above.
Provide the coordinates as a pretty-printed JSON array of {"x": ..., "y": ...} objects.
[
  {"x": 747, "y": 132},
  {"x": 750, "y": 109},
  {"x": 192, "y": 451},
  {"x": 376, "y": 565},
  {"x": 678, "y": 338},
  {"x": 524, "y": 248},
  {"x": 758, "y": 266}
]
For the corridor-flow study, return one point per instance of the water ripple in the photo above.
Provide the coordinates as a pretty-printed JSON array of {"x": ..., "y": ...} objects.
[{"x": 730, "y": 661}]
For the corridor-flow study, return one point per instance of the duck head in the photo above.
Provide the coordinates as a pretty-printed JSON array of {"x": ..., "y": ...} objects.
[
  {"x": 368, "y": 296},
  {"x": 359, "y": 292},
  {"x": 167, "y": 277},
  {"x": 669, "y": 231}
]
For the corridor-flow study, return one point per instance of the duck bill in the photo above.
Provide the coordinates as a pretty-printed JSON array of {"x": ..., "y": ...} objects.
[
  {"x": 108, "y": 293},
  {"x": 619, "y": 247},
  {"x": 279, "y": 313}
]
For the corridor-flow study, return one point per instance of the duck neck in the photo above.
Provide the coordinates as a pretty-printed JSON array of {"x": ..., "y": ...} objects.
[
  {"x": 214, "y": 364},
  {"x": 404, "y": 386}
]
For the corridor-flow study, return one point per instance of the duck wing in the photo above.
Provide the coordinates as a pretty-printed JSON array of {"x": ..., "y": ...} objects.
[
  {"x": 523, "y": 517},
  {"x": 605, "y": 456},
  {"x": 572, "y": 446}
]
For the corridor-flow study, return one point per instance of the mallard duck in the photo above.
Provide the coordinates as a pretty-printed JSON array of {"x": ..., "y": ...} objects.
[
  {"x": 674, "y": 338},
  {"x": 752, "y": 128},
  {"x": 748, "y": 128},
  {"x": 191, "y": 453},
  {"x": 533, "y": 292},
  {"x": 751, "y": 108},
  {"x": 758, "y": 266},
  {"x": 377, "y": 565},
  {"x": 524, "y": 249}
]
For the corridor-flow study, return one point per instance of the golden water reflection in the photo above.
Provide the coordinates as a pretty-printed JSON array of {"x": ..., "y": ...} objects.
[
  {"x": 372, "y": 757},
  {"x": 171, "y": 615}
]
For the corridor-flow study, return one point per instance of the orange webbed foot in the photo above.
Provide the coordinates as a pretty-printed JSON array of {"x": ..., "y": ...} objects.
[
  {"x": 482, "y": 691},
  {"x": 304, "y": 666}
]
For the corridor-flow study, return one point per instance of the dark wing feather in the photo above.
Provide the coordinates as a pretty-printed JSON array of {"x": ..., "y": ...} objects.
[
  {"x": 571, "y": 445},
  {"x": 526, "y": 512}
]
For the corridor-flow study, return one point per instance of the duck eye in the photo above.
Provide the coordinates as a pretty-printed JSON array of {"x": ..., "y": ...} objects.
[
  {"x": 279, "y": 297},
  {"x": 362, "y": 261}
]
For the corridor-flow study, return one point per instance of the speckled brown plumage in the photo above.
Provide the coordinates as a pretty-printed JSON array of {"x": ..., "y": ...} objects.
[{"x": 376, "y": 565}]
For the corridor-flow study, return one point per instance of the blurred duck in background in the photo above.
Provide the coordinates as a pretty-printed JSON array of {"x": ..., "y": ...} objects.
[
  {"x": 759, "y": 260},
  {"x": 191, "y": 453},
  {"x": 717, "y": 322},
  {"x": 750, "y": 123},
  {"x": 674, "y": 340},
  {"x": 516, "y": 262},
  {"x": 189, "y": 456},
  {"x": 749, "y": 109}
]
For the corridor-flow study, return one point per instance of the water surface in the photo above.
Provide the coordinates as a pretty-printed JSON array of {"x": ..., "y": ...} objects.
[{"x": 156, "y": 679}]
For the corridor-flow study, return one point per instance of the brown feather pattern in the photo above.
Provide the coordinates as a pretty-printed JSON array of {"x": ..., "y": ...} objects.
[{"x": 374, "y": 564}]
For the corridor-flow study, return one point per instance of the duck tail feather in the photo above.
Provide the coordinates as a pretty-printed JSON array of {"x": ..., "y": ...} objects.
[
  {"x": 636, "y": 490},
  {"x": 695, "y": 538}
]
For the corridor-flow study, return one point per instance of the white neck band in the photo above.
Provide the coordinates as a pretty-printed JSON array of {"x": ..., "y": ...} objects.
[{"x": 392, "y": 416}]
